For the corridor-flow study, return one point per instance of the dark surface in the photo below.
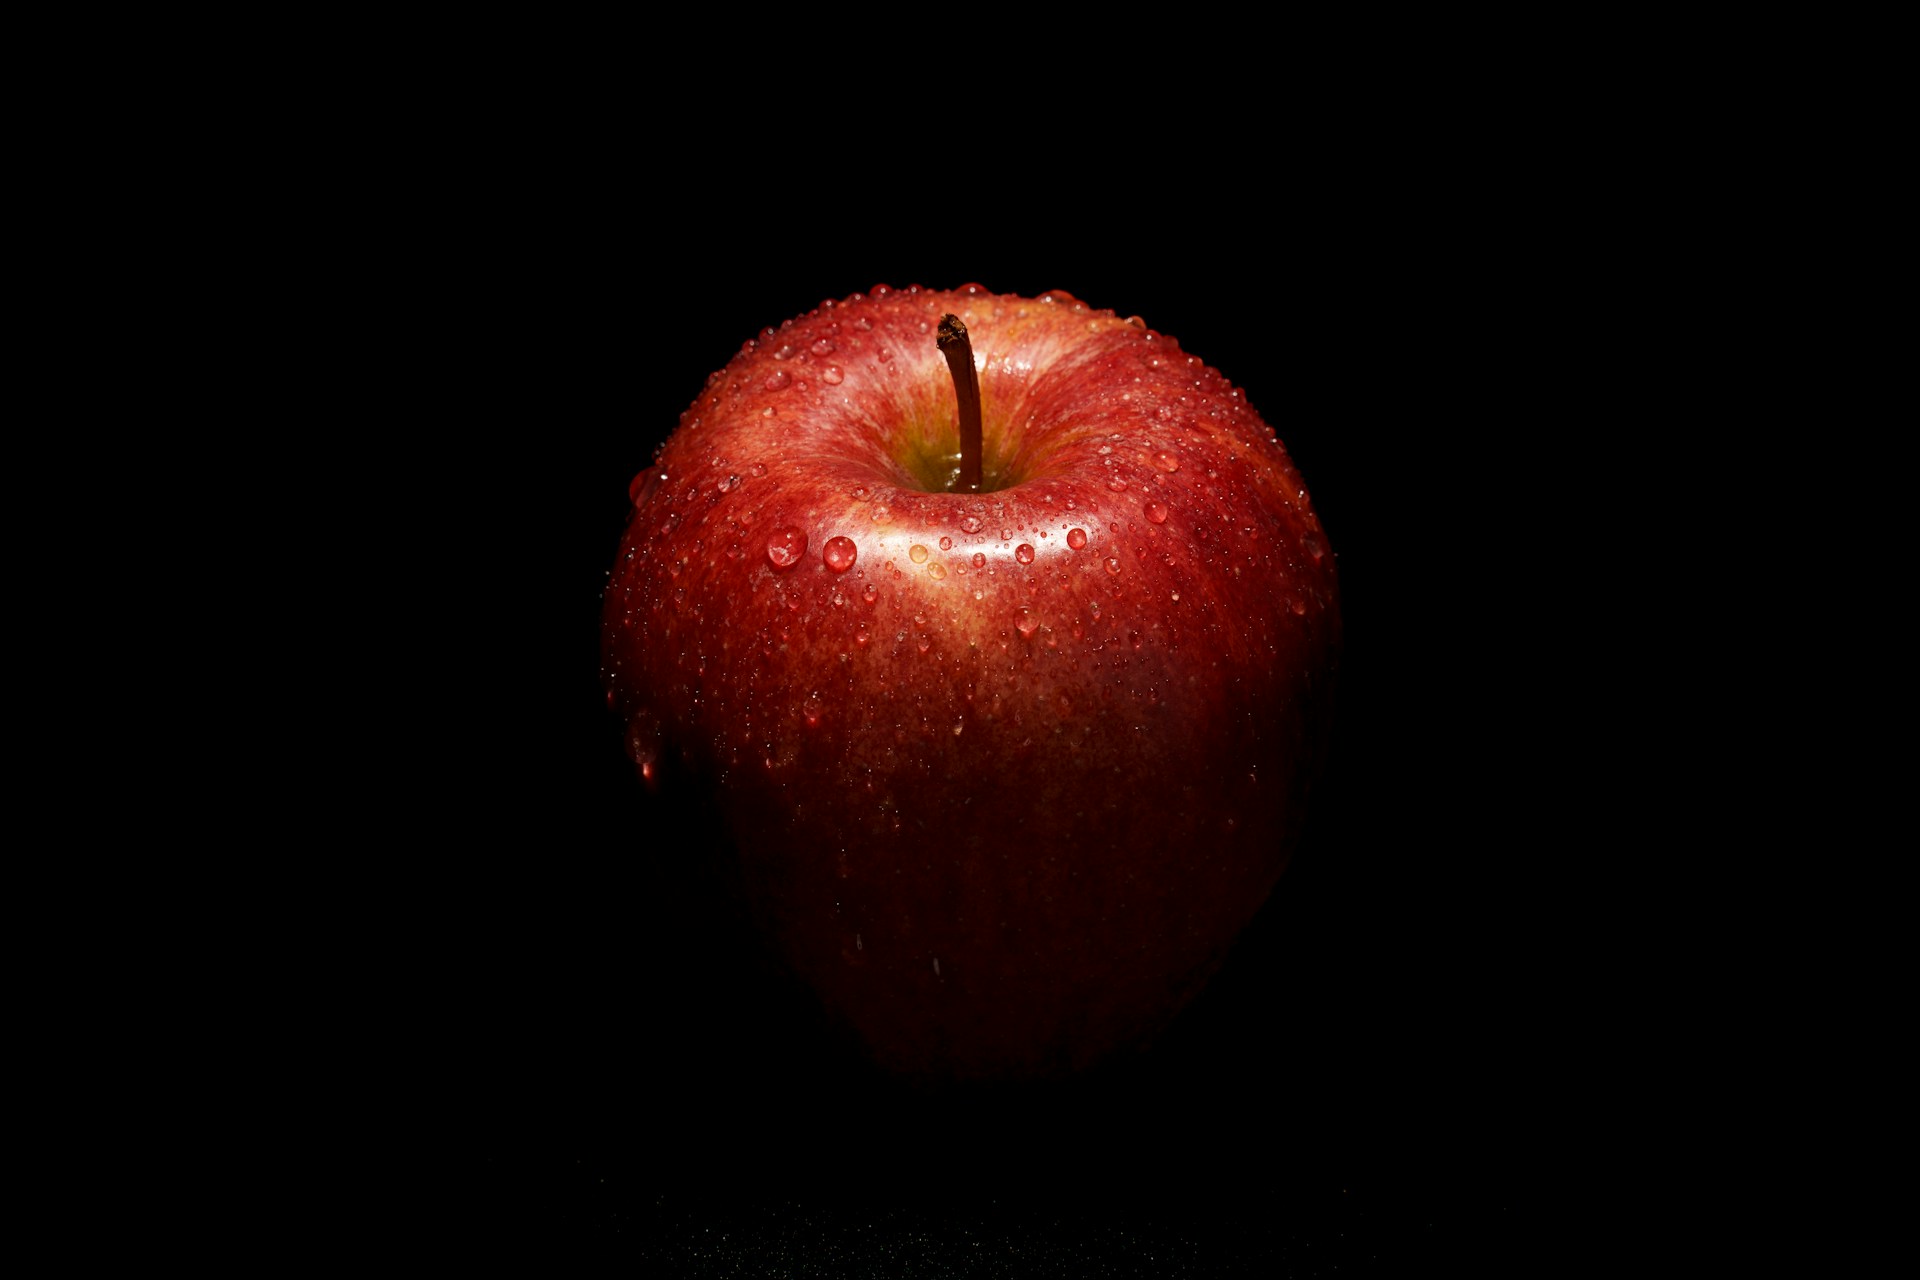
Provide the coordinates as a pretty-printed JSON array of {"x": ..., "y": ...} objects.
[{"x": 1375, "y": 1077}]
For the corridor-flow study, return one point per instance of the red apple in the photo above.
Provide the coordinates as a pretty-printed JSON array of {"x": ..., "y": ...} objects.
[{"x": 1007, "y": 766}]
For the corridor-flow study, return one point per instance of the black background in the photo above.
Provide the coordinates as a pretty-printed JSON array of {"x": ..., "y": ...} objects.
[{"x": 1377, "y": 1074}]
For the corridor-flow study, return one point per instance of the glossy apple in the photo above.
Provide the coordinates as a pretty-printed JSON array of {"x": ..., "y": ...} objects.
[{"x": 1006, "y": 771}]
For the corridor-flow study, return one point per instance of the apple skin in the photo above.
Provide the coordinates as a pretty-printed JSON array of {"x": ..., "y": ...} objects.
[{"x": 1005, "y": 772}]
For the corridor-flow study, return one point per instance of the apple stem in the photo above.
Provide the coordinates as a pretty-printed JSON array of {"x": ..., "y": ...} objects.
[{"x": 958, "y": 349}]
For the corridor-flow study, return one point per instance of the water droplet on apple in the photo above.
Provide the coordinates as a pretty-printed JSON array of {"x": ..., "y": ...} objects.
[
  {"x": 946, "y": 544},
  {"x": 1117, "y": 485},
  {"x": 925, "y": 641},
  {"x": 785, "y": 547},
  {"x": 823, "y": 347},
  {"x": 970, "y": 525},
  {"x": 1166, "y": 461},
  {"x": 917, "y": 553},
  {"x": 840, "y": 553},
  {"x": 936, "y": 571},
  {"x": 811, "y": 710},
  {"x": 643, "y": 748},
  {"x": 778, "y": 380},
  {"x": 1024, "y": 553},
  {"x": 1076, "y": 538},
  {"x": 1156, "y": 511},
  {"x": 869, "y": 593},
  {"x": 979, "y": 559},
  {"x": 833, "y": 377},
  {"x": 1113, "y": 564},
  {"x": 726, "y": 485},
  {"x": 1315, "y": 548},
  {"x": 1027, "y": 623},
  {"x": 759, "y": 469},
  {"x": 644, "y": 485}
]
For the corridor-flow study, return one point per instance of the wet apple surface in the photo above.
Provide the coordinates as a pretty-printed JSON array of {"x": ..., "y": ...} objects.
[{"x": 1005, "y": 770}]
